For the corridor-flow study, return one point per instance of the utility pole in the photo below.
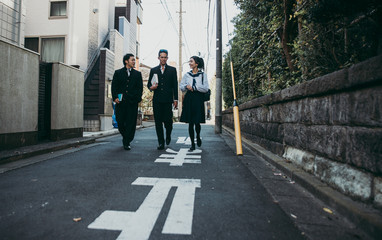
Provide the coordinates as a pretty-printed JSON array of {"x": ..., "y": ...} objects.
[
  {"x": 218, "y": 99},
  {"x": 180, "y": 70}
]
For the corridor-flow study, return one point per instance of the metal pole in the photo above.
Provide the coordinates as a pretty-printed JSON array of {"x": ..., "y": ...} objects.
[
  {"x": 218, "y": 99},
  {"x": 20, "y": 22},
  {"x": 180, "y": 60}
]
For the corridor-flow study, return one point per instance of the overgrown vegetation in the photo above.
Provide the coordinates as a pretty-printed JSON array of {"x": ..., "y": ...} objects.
[{"x": 280, "y": 43}]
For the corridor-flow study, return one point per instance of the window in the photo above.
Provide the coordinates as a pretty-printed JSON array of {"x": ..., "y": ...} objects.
[
  {"x": 32, "y": 44},
  {"x": 58, "y": 9},
  {"x": 52, "y": 49}
]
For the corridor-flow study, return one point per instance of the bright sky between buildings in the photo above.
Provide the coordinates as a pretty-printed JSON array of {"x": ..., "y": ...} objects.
[{"x": 160, "y": 29}]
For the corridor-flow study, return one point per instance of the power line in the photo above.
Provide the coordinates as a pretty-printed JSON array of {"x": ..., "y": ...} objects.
[
  {"x": 159, "y": 42},
  {"x": 210, "y": 36},
  {"x": 165, "y": 7},
  {"x": 226, "y": 19}
]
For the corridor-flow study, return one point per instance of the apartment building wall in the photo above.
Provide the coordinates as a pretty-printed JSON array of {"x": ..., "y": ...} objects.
[{"x": 84, "y": 27}]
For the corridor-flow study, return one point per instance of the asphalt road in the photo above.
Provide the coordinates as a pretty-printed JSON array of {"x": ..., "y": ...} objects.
[{"x": 102, "y": 191}]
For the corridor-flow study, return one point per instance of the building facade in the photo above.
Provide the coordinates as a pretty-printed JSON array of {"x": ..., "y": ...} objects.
[
  {"x": 92, "y": 35},
  {"x": 67, "y": 31}
]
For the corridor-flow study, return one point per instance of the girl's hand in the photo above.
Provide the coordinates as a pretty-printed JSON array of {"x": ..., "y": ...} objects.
[{"x": 190, "y": 88}]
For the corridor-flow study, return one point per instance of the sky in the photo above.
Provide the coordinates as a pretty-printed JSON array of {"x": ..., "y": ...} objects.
[{"x": 161, "y": 25}]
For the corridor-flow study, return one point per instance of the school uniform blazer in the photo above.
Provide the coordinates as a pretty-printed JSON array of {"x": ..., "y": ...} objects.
[
  {"x": 131, "y": 87},
  {"x": 167, "y": 90}
]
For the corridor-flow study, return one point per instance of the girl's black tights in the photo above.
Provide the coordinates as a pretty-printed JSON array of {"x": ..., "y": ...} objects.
[{"x": 191, "y": 131}]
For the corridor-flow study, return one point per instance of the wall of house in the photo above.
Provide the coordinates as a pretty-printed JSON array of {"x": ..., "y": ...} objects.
[
  {"x": 85, "y": 28},
  {"x": 133, "y": 28},
  {"x": 125, "y": 30},
  {"x": 106, "y": 75},
  {"x": 93, "y": 30},
  {"x": 67, "y": 102},
  {"x": 37, "y": 15},
  {"x": 19, "y": 71},
  {"x": 77, "y": 52},
  {"x": 116, "y": 46},
  {"x": 104, "y": 24},
  {"x": 330, "y": 126},
  {"x": 12, "y": 21}
]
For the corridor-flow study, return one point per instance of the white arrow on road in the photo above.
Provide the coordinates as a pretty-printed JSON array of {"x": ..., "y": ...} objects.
[
  {"x": 138, "y": 225},
  {"x": 184, "y": 140},
  {"x": 183, "y": 156}
]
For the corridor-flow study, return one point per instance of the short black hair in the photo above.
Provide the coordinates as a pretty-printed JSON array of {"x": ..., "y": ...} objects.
[
  {"x": 127, "y": 57},
  {"x": 162, "y": 51},
  {"x": 199, "y": 61}
]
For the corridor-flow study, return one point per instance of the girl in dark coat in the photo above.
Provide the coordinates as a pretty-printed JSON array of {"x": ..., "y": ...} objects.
[{"x": 195, "y": 84}]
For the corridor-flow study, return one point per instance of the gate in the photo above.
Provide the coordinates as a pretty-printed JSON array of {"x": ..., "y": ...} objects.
[{"x": 44, "y": 100}]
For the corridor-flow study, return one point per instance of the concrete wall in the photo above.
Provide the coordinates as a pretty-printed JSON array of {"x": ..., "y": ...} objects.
[
  {"x": 330, "y": 126},
  {"x": 19, "y": 71},
  {"x": 67, "y": 102}
]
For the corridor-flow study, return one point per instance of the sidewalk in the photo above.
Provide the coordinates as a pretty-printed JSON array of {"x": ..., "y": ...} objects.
[
  {"x": 51, "y": 146},
  {"x": 365, "y": 217}
]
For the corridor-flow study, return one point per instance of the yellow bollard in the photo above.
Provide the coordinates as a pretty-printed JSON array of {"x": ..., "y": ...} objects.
[{"x": 239, "y": 148}]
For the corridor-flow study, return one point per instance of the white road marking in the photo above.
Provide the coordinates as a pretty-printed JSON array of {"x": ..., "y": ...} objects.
[
  {"x": 138, "y": 225},
  {"x": 184, "y": 140},
  {"x": 183, "y": 156}
]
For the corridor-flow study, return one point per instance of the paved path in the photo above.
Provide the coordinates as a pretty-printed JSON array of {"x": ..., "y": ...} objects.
[{"x": 101, "y": 191}]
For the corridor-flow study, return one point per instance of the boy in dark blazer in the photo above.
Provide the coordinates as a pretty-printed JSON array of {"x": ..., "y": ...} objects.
[
  {"x": 165, "y": 95},
  {"x": 127, "y": 87}
]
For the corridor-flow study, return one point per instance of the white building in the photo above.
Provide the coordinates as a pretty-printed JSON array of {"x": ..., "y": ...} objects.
[
  {"x": 68, "y": 31},
  {"x": 92, "y": 35}
]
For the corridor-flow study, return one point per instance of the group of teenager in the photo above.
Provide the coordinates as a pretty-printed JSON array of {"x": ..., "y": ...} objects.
[{"x": 127, "y": 88}]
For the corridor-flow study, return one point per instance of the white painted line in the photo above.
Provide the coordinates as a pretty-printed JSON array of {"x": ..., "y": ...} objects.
[
  {"x": 181, "y": 157},
  {"x": 184, "y": 140},
  {"x": 138, "y": 225}
]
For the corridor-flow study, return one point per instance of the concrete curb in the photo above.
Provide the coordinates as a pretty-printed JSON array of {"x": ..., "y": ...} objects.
[
  {"x": 34, "y": 150},
  {"x": 38, "y": 149},
  {"x": 365, "y": 217}
]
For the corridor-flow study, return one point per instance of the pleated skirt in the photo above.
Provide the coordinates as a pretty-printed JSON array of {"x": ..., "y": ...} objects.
[{"x": 193, "y": 108}]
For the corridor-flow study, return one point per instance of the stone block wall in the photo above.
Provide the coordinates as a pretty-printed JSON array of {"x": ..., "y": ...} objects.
[{"x": 330, "y": 126}]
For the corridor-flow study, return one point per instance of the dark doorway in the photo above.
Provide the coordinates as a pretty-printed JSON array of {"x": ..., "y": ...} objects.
[{"x": 44, "y": 100}]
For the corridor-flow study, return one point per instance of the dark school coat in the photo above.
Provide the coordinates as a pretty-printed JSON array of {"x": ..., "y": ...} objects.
[
  {"x": 131, "y": 87},
  {"x": 167, "y": 90}
]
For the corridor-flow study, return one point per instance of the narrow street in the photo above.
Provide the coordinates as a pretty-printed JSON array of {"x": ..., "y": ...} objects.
[{"x": 101, "y": 191}]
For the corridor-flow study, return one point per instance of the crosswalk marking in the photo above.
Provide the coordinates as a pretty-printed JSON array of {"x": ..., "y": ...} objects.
[
  {"x": 179, "y": 158},
  {"x": 139, "y": 224}
]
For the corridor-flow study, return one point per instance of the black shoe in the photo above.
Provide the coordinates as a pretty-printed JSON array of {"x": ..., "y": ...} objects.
[
  {"x": 199, "y": 142},
  {"x": 192, "y": 148},
  {"x": 160, "y": 147},
  {"x": 127, "y": 147},
  {"x": 168, "y": 140}
]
